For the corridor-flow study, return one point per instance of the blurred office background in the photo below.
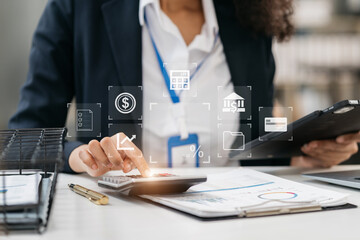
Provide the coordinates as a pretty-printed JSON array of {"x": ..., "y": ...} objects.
[
  {"x": 18, "y": 19},
  {"x": 319, "y": 66}
]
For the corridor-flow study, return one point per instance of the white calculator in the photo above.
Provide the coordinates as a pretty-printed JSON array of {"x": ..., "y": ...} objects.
[{"x": 162, "y": 183}]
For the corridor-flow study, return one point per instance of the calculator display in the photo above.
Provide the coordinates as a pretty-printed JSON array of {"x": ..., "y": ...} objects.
[{"x": 180, "y": 74}]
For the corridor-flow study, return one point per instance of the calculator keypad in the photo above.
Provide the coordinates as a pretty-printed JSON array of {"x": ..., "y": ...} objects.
[
  {"x": 116, "y": 179},
  {"x": 121, "y": 179}
]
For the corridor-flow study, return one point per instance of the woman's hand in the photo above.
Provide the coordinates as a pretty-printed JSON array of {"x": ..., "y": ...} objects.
[
  {"x": 97, "y": 158},
  {"x": 327, "y": 153}
]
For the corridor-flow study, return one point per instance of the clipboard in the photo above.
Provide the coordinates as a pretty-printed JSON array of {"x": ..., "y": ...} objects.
[
  {"x": 267, "y": 196},
  {"x": 342, "y": 207}
]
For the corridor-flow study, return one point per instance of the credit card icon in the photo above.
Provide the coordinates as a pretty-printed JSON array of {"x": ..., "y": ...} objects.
[{"x": 275, "y": 124}]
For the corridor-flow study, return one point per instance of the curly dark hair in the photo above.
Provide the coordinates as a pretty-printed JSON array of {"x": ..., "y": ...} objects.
[{"x": 269, "y": 17}]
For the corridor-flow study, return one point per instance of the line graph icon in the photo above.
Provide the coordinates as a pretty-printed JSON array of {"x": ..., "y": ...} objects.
[{"x": 120, "y": 143}]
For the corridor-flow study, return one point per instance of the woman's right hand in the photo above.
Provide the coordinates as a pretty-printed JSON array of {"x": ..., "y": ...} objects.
[{"x": 97, "y": 158}]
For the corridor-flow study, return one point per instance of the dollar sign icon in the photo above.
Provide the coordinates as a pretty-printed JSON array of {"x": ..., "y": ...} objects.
[
  {"x": 125, "y": 103},
  {"x": 233, "y": 107}
]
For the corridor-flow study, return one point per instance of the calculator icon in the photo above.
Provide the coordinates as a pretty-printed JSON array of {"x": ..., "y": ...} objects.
[{"x": 180, "y": 80}]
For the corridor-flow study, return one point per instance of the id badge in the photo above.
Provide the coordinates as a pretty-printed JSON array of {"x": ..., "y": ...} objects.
[{"x": 182, "y": 153}]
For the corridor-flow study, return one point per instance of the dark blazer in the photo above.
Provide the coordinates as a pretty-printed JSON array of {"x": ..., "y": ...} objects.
[{"x": 80, "y": 47}]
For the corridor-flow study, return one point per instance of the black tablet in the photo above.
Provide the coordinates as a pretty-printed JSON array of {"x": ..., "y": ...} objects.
[{"x": 339, "y": 119}]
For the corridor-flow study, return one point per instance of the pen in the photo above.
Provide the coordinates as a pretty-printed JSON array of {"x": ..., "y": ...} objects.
[{"x": 95, "y": 197}]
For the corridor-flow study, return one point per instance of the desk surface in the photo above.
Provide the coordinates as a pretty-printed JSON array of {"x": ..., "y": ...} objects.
[{"x": 73, "y": 217}]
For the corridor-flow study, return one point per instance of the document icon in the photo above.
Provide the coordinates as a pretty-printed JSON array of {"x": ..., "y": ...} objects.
[
  {"x": 84, "y": 120},
  {"x": 275, "y": 124},
  {"x": 233, "y": 140}
]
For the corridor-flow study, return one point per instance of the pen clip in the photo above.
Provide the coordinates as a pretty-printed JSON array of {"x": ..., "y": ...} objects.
[
  {"x": 99, "y": 201},
  {"x": 96, "y": 201},
  {"x": 278, "y": 211}
]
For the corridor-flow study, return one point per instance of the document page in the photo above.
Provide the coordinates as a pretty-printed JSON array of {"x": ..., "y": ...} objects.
[
  {"x": 19, "y": 189},
  {"x": 246, "y": 189}
]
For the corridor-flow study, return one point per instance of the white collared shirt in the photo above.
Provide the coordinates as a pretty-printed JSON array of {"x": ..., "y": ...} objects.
[{"x": 200, "y": 102}]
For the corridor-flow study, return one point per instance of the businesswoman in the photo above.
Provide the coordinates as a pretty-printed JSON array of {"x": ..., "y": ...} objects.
[{"x": 81, "y": 47}]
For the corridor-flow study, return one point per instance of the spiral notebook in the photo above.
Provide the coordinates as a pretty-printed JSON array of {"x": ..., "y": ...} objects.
[{"x": 248, "y": 193}]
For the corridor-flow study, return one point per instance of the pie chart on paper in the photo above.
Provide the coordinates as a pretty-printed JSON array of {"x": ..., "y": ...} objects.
[{"x": 278, "y": 195}]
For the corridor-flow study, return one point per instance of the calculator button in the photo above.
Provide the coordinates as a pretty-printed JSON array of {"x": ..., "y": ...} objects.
[{"x": 164, "y": 175}]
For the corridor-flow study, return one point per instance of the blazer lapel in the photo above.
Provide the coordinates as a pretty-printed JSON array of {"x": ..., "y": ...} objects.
[
  {"x": 124, "y": 31},
  {"x": 235, "y": 41}
]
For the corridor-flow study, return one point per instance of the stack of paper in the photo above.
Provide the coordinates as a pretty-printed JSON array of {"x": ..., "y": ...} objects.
[
  {"x": 24, "y": 216},
  {"x": 19, "y": 189}
]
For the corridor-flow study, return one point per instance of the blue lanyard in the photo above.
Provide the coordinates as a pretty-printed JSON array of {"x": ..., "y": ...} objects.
[{"x": 174, "y": 97}]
